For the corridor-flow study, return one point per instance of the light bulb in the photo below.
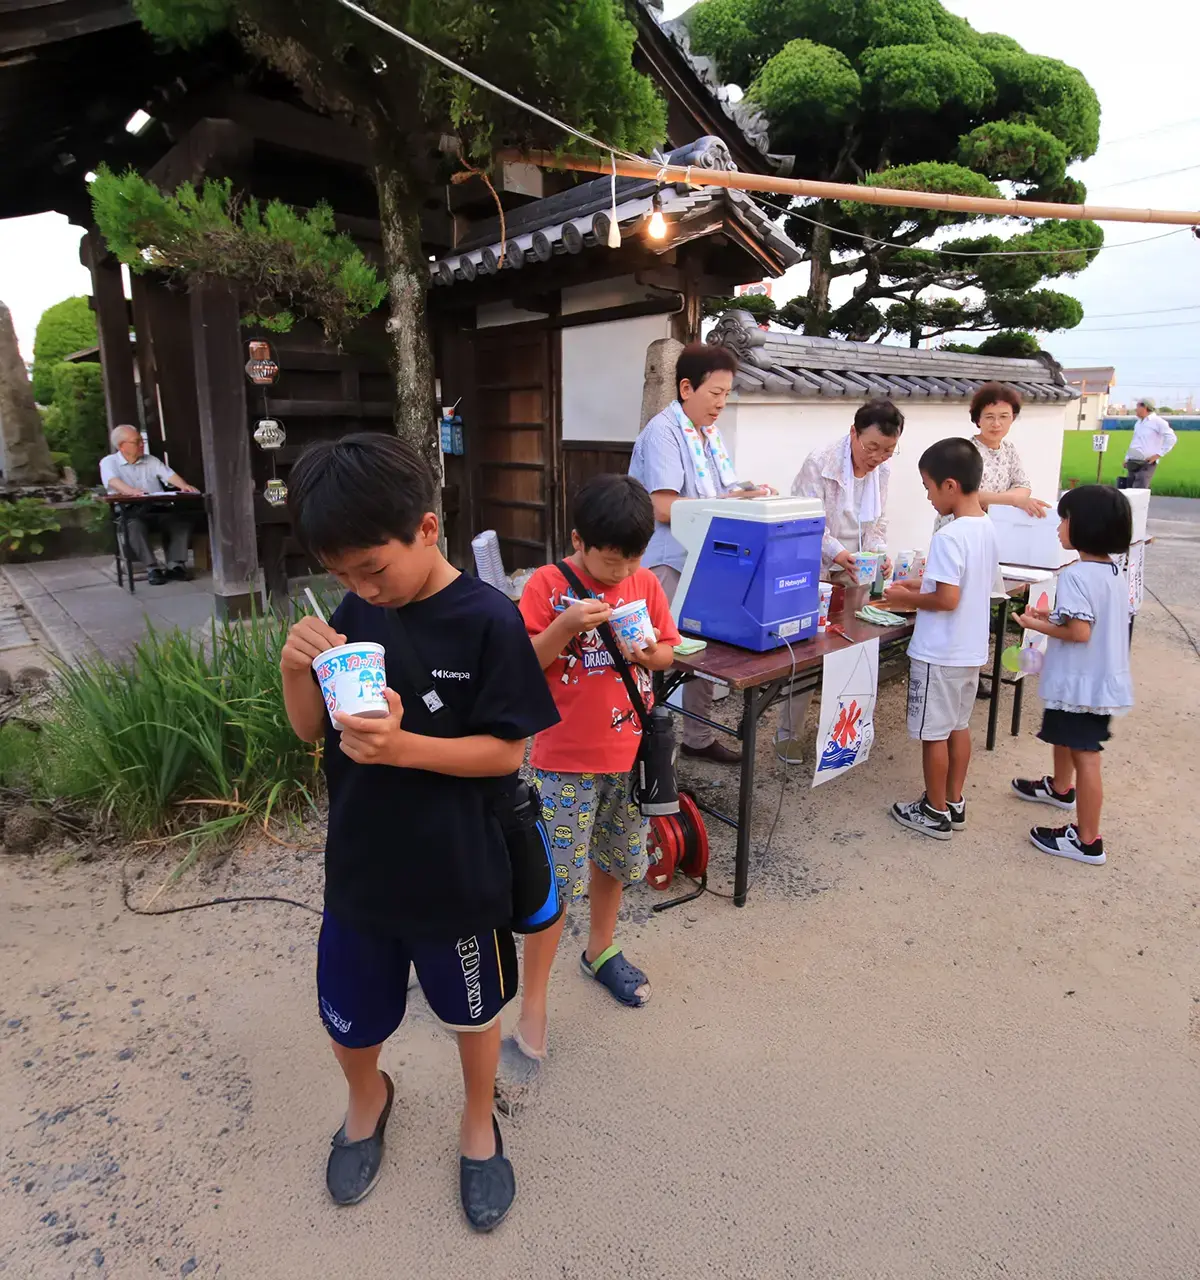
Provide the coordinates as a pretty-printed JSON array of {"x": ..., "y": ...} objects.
[{"x": 657, "y": 230}]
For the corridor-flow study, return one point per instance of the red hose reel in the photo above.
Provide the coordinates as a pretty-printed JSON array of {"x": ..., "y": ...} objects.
[{"x": 678, "y": 842}]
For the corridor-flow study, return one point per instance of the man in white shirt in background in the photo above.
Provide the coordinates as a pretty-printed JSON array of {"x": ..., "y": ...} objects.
[
  {"x": 131, "y": 472},
  {"x": 1152, "y": 440}
]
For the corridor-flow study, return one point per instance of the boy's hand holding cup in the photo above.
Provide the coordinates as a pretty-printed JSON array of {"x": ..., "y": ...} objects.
[
  {"x": 381, "y": 740},
  {"x": 306, "y": 640}
]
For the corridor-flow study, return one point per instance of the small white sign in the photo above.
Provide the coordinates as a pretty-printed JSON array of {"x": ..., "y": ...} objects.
[{"x": 1100, "y": 442}]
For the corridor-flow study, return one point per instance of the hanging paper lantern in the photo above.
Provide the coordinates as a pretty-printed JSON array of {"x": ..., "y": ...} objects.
[
  {"x": 269, "y": 434},
  {"x": 275, "y": 492},
  {"x": 261, "y": 368}
]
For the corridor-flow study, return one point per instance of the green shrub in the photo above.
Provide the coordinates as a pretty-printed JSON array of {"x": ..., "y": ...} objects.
[
  {"x": 187, "y": 719},
  {"x": 76, "y": 422},
  {"x": 23, "y": 522},
  {"x": 19, "y": 756},
  {"x": 65, "y": 327}
]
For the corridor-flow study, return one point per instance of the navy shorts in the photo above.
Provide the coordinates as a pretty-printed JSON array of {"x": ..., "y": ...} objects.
[
  {"x": 362, "y": 981},
  {"x": 1075, "y": 730}
]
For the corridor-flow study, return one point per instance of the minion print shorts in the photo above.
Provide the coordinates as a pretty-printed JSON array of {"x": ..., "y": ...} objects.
[{"x": 591, "y": 815}]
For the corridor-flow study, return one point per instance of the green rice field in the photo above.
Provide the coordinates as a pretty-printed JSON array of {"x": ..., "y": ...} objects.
[{"x": 1178, "y": 475}]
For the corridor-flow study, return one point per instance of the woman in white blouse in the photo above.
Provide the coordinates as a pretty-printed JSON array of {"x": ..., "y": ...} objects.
[
  {"x": 850, "y": 477},
  {"x": 994, "y": 409}
]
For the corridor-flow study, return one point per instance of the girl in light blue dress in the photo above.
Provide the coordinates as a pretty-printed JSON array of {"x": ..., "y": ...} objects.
[{"x": 1085, "y": 678}]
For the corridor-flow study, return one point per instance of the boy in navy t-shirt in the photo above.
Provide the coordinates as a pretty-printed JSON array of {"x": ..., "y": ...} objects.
[{"x": 416, "y": 869}]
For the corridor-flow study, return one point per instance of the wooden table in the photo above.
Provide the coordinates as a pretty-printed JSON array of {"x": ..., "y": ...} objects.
[
  {"x": 763, "y": 680},
  {"x": 767, "y": 679}
]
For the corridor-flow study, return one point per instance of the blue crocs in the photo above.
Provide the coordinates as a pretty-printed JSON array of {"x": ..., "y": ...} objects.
[{"x": 621, "y": 979}]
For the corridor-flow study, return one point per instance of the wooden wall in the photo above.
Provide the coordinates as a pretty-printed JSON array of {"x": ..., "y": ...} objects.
[{"x": 583, "y": 459}]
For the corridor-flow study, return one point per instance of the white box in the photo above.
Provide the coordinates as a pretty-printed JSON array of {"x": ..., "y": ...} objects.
[
  {"x": 1139, "y": 500},
  {"x": 1023, "y": 539}
]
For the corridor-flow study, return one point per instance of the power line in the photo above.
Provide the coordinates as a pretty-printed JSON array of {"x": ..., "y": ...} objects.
[
  {"x": 1149, "y": 133},
  {"x": 1153, "y": 311},
  {"x": 1125, "y": 328},
  {"x": 1147, "y": 177}
]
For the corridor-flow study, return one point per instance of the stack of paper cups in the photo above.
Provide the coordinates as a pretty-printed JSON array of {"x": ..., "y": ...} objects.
[{"x": 488, "y": 564}]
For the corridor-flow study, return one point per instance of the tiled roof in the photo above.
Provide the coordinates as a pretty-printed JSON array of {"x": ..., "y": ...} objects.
[
  {"x": 578, "y": 219},
  {"x": 795, "y": 364},
  {"x": 1091, "y": 381},
  {"x": 747, "y": 119}
]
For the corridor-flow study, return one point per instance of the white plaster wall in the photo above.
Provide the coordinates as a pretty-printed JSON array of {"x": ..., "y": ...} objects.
[
  {"x": 493, "y": 314},
  {"x": 770, "y": 436},
  {"x": 602, "y": 371}
]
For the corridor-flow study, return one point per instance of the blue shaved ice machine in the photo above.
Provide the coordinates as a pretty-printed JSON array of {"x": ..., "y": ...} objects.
[{"x": 752, "y": 572}]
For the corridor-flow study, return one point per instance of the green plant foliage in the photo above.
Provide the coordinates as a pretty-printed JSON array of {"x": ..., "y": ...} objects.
[
  {"x": 76, "y": 423},
  {"x": 188, "y": 718},
  {"x": 23, "y": 521},
  {"x": 573, "y": 60},
  {"x": 66, "y": 327},
  {"x": 809, "y": 82},
  {"x": 905, "y": 94},
  {"x": 1010, "y": 343},
  {"x": 925, "y": 79},
  {"x": 281, "y": 259},
  {"x": 758, "y": 305}
]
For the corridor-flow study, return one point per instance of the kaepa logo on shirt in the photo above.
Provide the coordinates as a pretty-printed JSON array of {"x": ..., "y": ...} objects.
[{"x": 451, "y": 675}]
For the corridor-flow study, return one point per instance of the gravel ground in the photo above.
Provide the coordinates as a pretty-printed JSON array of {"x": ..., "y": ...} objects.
[{"x": 902, "y": 1059}]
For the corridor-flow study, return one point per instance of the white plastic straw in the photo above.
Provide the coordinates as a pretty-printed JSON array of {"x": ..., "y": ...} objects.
[{"x": 312, "y": 601}]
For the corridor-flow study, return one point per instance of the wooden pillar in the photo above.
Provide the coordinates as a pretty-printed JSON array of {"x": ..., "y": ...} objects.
[
  {"x": 112, "y": 325},
  {"x": 168, "y": 374},
  {"x": 225, "y": 441}
]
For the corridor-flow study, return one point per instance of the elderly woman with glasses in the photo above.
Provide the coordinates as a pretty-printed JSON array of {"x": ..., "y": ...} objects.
[
  {"x": 850, "y": 477},
  {"x": 994, "y": 409}
]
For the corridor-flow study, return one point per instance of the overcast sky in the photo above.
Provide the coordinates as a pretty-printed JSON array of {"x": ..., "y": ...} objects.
[{"x": 1142, "y": 71}]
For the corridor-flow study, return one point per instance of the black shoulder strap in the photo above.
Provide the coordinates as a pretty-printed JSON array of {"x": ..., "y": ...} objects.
[
  {"x": 420, "y": 681},
  {"x": 609, "y": 640}
]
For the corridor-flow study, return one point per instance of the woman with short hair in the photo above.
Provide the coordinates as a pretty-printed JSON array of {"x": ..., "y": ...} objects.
[{"x": 994, "y": 409}]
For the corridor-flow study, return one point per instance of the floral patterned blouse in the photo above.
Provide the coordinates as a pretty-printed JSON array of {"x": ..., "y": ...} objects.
[{"x": 1002, "y": 470}]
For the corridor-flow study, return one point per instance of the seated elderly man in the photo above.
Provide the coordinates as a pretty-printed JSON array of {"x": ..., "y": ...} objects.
[{"x": 133, "y": 473}]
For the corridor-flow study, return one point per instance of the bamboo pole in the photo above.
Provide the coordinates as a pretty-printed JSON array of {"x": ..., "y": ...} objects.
[{"x": 701, "y": 177}]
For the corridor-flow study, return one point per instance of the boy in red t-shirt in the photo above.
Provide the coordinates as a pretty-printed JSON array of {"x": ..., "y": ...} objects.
[{"x": 583, "y": 764}]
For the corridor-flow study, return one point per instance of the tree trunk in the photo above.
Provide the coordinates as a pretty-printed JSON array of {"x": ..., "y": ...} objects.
[
  {"x": 23, "y": 450},
  {"x": 817, "y": 322},
  {"x": 408, "y": 281}
]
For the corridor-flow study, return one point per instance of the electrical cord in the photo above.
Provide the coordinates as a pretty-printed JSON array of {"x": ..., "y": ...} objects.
[
  {"x": 210, "y": 902},
  {"x": 1178, "y": 622}
]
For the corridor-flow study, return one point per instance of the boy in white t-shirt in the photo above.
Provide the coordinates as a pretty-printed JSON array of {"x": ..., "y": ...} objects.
[{"x": 950, "y": 642}]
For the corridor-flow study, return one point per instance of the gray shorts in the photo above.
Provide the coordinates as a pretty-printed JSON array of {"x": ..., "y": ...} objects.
[
  {"x": 940, "y": 700},
  {"x": 591, "y": 816}
]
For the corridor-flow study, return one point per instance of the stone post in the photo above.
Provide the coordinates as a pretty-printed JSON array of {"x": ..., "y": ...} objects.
[
  {"x": 23, "y": 449},
  {"x": 658, "y": 383}
]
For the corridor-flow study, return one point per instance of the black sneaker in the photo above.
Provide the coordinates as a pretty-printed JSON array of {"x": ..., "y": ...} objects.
[
  {"x": 1041, "y": 791},
  {"x": 179, "y": 573},
  {"x": 1064, "y": 842},
  {"x": 918, "y": 815},
  {"x": 157, "y": 576},
  {"x": 958, "y": 813},
  {"x": 487, "y": 1187},
  {"x": 353, "y": 1167}
]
